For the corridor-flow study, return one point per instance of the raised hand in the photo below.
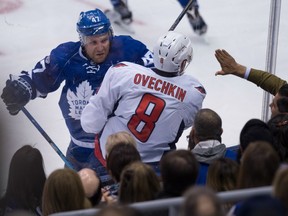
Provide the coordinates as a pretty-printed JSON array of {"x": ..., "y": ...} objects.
[{"x": 228, "y": 64}]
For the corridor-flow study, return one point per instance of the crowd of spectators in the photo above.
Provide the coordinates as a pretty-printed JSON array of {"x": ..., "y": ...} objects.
[{"x": 258, "y": 164}]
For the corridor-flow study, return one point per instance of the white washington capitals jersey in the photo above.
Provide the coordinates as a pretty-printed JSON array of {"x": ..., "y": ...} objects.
[{"x": 153, "y": 108}]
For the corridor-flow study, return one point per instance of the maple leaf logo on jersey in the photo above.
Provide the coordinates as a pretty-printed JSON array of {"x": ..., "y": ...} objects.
[{"x": 77, "y": 101}]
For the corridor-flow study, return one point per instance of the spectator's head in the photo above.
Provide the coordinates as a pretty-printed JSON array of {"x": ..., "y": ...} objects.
[
  {"x": 280, "y": 101},
  {"x": 26, "y": 179},
  {"x": 172, "y": 53},
  {"x": 91, "y": 184},
  {"x": 201, "y": 201},
  {"x": 282, "y": 104},
  {"x": 279, "y": 127},
  {"x": 138, "y": 183},
  {"x": 120, "y": 137},
  {"x": 280, "y": 185},
  {"x": 179, "y": 171},
  {"x": 94, "y": 30},
  {"x": 207, "y": 126},
  {"x": 254, "y": 130},
  {"x": 63, "y": 191},
  {"x": 258, "y": 166},
  {"x": 120, "y": 156},
  {"x": 222, "y": 174}
]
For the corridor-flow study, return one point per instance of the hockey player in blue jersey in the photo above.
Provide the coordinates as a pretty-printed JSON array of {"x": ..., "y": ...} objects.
[
  {"x": 121, "y": 7},
  {"x": 195, "y": 19},
  {"x": 82, "y": 66}
]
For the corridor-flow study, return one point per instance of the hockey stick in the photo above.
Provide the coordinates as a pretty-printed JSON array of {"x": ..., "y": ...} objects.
[
  {"x": 179, "y": 18},
  {"x": 45, "y": 135}
]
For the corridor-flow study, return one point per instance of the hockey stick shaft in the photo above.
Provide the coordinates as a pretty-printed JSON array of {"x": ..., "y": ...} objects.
[
  {"x": 179, "y": 18},
  {"x": 45, "y": 135}
]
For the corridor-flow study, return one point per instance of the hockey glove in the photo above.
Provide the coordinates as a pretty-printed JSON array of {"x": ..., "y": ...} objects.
[{"x": 16, "y": 94}]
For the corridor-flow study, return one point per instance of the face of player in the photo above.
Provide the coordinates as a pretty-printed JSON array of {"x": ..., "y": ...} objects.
[
  {"x": 273, "y": 105},
  {"x": 97, "y": 47}
]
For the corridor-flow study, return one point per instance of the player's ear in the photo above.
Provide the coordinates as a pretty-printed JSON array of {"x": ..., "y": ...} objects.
[{"x": 183, "y": 65}]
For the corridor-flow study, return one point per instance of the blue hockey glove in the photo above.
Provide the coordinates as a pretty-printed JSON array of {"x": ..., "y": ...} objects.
[{"x": 16, "y": 94}]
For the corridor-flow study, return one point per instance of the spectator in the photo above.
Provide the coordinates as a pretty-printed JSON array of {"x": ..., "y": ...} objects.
[
  {"x": 82, "y": 66},
  {"x": 179, "y": 171},
  {"x": 201, "y": 201},
  {"x": 91, "y": 184},
  {"x": 26, "y": 181},
  {"x": 267, "y": 81},
  {"x": 63, "y": 191},
  {"x": 279, "y": 128},
  {"x": 205, "y": 141},
  {"x": 120, "y": 137},
  {"x": 280, "y": 184},
  {"x": 253, "y": 130},
  {"x": 120, "y": 156},
  {"x": 138, "y": 183},
  {"x": 222, "y": 176},
  {"x": 149, "y": 102},
  {"x": 261, "y": 205},
  {"x": 258, "y": 166}
]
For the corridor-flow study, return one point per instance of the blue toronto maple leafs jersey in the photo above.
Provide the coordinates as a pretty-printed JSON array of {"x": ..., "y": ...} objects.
[{"x": 82, "y": 77}]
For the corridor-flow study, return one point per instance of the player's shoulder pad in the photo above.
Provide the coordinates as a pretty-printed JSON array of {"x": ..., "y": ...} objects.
[
  {"x": 66, "y": 50},
  {"x": 71, "y": 46},
  {"x": 126, "y": 40}
]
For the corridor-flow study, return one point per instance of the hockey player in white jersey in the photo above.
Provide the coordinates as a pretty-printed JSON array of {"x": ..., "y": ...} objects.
[{"x": 155, "y": 105}]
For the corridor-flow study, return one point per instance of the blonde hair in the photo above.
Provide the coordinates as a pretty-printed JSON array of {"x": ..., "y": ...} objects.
[{"x": 120, "y": 137}]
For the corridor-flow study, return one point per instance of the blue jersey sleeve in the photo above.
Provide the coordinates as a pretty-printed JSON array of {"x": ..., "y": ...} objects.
[{"x": 48, "y": 73}]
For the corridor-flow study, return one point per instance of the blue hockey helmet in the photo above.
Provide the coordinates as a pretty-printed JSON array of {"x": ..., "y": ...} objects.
[{"x": 93, "y": 22}]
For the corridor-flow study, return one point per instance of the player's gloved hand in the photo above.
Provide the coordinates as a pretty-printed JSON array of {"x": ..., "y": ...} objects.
[{"x": 16, "y": 94}]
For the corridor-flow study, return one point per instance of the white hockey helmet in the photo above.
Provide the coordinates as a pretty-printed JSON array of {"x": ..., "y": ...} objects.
[{"x": 172, "y": 53}]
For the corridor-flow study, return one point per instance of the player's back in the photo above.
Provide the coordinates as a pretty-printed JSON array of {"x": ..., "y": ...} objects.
[{"x": 153, "y": 108}]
